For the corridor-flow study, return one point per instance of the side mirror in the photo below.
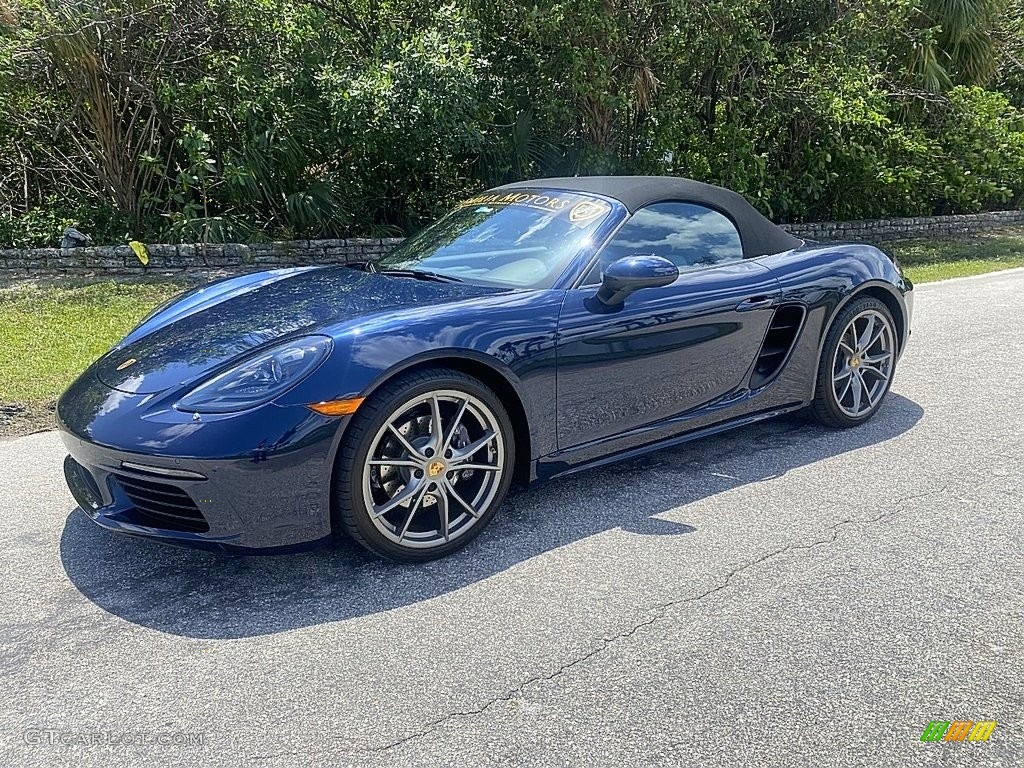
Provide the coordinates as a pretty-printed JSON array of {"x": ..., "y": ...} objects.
[{"x": 632, "y": 273}]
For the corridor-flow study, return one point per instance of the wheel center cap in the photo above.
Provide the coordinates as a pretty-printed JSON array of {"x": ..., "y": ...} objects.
[
  {"x": 854, "y": 362},
  {"x": 435, "y": 468}
]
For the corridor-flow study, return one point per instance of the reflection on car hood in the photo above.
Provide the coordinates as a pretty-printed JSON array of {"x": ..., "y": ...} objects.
[{"x": 200, "y": 342}]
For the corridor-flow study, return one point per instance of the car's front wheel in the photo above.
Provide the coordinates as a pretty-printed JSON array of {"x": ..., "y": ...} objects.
[
  {"x": 857, "y": 364},
  {"x": 424, "y": 465}
]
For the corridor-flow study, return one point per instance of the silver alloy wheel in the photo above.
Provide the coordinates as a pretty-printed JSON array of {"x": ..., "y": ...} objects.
[
  {"x": 433, "y": 469},
  {"x": 863, "y": 363}
]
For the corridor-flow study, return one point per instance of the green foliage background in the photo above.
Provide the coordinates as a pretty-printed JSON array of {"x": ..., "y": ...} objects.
[{"x": 207, "y": 120}]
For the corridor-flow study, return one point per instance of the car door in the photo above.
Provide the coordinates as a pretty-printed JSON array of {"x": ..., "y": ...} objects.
[{"x": 664, "y": 351}]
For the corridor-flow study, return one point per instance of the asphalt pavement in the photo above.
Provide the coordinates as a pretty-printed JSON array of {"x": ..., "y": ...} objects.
[{"x": 783, "y": 595}]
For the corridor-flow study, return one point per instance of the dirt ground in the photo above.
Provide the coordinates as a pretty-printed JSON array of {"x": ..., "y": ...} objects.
[{"x": 17, "y": 420}]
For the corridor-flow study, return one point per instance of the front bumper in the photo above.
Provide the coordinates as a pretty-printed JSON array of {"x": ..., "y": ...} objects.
[
  {"x": 212, "y": 504},
  {"x": 257, "y": 481}
]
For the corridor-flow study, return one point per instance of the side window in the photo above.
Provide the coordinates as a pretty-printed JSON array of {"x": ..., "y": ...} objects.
[{"x": 689, "y": 235}]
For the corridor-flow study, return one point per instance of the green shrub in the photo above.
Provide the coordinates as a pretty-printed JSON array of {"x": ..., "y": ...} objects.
[
  {"x": 981, "y": 150},
  {"x": 43, "y": 227},
  {"x": 248, "y": 119}
]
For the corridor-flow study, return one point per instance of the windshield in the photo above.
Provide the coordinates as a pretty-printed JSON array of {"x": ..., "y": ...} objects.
[{"x": 522, "y": 238}]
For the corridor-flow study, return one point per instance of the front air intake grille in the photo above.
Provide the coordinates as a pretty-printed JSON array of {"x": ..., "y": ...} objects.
[{"x": 161, "y": 505}]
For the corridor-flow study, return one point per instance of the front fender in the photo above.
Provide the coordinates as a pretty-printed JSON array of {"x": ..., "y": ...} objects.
[
  {"x": 895, "y": 296},
  {"x": 512, "y": 335}
]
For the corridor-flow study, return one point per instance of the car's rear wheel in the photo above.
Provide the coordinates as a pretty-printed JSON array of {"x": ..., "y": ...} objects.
[
  {"x": 424, "y": 465},
  {"x": 857, "y": 364}
]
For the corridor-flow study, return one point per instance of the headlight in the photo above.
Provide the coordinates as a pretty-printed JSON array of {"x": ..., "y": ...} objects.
[{"x": 259, "y": 379}]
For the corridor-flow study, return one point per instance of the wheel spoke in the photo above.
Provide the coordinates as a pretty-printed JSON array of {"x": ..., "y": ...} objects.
[
  {"x": 405, "y": 443},
  {"x": 867, "y": 333},
  {"x": 464, "y": 454},
  {"x": 442, "y": 511},
  {"x": 481, "y": 467},
  {"x": 412, "y": 511},
  {"x": 875, "y": 369},
  {"x": 852, "y": 331},
  {"x": 396, "y": 463},
  {"x": 455, "y": 425},
  {"x": 841, "y": 395},
  {"x": 867, "y": 390},
  {"x": 858, "y": 391},
  {"x": 410, "y": 490},
  {"x": 436, "y": 428},
  {"x": 842, "y": 374},
  {"x": 876, "y": 337},
  {"x": 462, "y": 502},
  {"x": 873, "y": 359}
]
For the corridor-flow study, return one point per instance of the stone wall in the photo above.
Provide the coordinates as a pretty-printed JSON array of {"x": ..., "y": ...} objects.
[
  {"x": 199, "y": 259},
  {"x": 170, "y": 259},
  {"x": 886, "y": 230}
]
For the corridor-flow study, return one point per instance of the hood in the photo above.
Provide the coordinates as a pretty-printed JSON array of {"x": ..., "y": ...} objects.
[{"x": 198, "y": 343}]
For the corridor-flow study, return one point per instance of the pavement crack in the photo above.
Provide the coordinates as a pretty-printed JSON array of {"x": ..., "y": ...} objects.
[
  {"x": 655, "y": 614},
  {"x": 277, "y": 755}
]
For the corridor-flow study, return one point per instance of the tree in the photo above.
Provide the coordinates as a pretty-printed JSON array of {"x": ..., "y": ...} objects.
[{"x": 957, "y": 42}]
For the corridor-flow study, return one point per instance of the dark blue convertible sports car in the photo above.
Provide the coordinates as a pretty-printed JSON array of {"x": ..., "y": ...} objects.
[{"x": 539, "y": 328}]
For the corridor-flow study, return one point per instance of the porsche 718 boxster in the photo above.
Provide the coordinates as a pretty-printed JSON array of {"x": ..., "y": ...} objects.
[{"x": 538, "y": 329}]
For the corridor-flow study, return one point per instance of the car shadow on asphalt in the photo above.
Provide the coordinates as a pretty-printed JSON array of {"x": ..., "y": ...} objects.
[{"x": 208, "y": 595}]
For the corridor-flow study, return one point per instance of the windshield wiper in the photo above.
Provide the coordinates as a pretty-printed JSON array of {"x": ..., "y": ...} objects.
[
  {"x": 362, "y": 266},
  {"x": 421, "y": 274}
]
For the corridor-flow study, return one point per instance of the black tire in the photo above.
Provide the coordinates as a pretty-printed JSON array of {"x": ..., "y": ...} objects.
[
  {"x": 351, "y": 514},
  {"x": 826, "y": 407}
]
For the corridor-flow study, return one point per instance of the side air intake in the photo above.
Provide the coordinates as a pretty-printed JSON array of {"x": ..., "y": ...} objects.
[{"x": 778, "y": 341}]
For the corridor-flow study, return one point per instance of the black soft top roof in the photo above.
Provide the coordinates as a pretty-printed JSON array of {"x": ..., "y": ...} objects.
[{"x": 757, "y": 235}]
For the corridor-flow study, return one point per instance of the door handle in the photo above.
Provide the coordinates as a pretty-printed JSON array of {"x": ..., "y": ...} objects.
[{"x": 755, "y": 302}]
